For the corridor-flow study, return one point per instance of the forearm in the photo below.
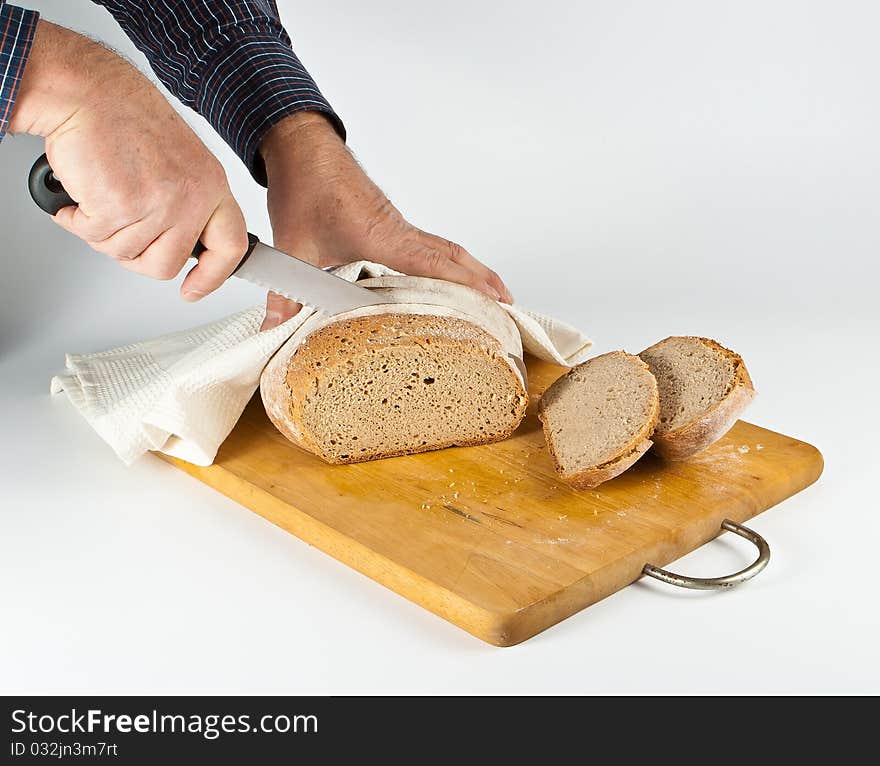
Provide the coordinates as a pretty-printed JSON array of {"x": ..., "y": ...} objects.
[
  {"x": 230, "y": 61},
  {"x": 63, "y": 71},
  {"x": 301, "y": 137}
]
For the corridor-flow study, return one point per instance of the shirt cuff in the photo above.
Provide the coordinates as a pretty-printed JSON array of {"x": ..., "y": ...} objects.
[
  {"x": 17, "y": 27},
  {"x": 249, "y": 87}
]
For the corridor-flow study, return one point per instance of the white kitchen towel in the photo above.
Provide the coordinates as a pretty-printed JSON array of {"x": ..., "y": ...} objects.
[{"x": 183, "y": 393}]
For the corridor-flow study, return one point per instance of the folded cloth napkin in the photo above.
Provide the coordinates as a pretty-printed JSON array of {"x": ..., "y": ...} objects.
[{"x": 183, "y": 393}]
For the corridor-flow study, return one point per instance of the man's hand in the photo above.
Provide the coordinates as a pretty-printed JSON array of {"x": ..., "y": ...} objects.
[
  {"x": 147, "y": 187},
  {"x": 324, "y": 209}
]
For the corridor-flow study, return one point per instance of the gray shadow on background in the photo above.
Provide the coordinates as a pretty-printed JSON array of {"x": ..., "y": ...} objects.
[{"x": 36, "y": 285}]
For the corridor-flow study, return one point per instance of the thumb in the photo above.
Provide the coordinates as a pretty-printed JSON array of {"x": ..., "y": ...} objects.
[{"x": 278, "y": 310}]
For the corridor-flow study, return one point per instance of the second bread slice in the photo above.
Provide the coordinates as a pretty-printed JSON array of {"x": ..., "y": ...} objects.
[
  {"x": 598, "y": 418},
  {"x": 703, "y": 389}
]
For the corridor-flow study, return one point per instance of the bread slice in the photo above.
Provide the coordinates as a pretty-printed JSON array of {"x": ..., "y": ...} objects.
[
  {"x": 598, "y": 418},
  {"x": 389, "y": 384},
  {"x": 703, "y": 389}
]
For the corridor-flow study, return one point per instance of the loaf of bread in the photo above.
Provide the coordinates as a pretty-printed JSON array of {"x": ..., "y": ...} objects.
[
  {"x": 598, "y": 418},
  {"x": 703, "y": 389},
  {"x": 438, "y": 365}
]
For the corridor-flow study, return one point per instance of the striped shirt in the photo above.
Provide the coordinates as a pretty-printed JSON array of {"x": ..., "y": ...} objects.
[
  {"x": 229, "y": 60},
  {"x": 17, "y": 28}
]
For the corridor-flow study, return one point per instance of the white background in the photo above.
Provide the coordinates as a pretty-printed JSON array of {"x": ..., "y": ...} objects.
[{"x": 637, "y": 168}]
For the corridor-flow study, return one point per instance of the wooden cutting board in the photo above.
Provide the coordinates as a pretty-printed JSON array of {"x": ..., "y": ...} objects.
[{"x": 488, "y": 537}]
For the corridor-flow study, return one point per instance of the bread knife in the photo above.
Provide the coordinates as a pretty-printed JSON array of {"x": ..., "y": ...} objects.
[{"x": 262, "y": 265}]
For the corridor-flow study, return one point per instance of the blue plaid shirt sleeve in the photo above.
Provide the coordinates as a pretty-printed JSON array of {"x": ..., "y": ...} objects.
[
  {"x": 17, "y": 27},
  {"x": 230, "y": 60}
]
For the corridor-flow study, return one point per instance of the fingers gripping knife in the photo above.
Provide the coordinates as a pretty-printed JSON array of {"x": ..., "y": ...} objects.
[{"x": 262, "y": 265}]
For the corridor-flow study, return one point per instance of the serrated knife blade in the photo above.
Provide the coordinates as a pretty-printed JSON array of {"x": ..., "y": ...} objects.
[{"x": 302, "y": 282}]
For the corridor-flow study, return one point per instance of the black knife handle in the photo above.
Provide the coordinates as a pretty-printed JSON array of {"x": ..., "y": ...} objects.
[
  {"x": 253, "y": 241},
  {"x": 46, "y": 190},
  {"x": 51, "y": 196}
]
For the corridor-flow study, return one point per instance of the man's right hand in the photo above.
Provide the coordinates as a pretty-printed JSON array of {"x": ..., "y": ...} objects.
[{"x": 146, "y": 186}]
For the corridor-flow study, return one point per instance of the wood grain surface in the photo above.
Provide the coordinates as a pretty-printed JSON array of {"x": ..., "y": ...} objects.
[{"x": 488, "y": 537}]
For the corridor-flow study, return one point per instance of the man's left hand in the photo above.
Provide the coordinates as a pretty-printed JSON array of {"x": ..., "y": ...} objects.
[{"x": 324, "y": 209}]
